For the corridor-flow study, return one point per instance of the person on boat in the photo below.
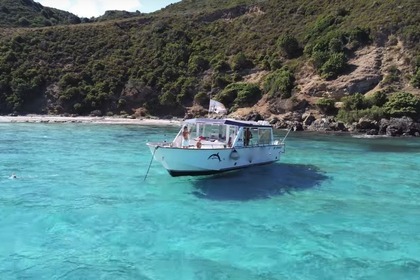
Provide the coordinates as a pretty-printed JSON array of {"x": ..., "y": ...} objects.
[
  {"x": 229, "y": 143},
  {"x": 198, "y": 145},
  {"x": 247, "y": 136},
  {"x": 185, "y": 138}
]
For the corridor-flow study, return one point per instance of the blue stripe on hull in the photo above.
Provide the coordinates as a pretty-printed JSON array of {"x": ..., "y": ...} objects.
[{"x": 177, "y": 173}]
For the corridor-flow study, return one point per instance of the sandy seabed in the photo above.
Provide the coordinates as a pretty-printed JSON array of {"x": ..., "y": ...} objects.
[{"x": 84, "y": 119}]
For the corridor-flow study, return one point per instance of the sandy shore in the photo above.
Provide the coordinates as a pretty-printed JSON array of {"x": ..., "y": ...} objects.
[{"x": 83, "y": 119}]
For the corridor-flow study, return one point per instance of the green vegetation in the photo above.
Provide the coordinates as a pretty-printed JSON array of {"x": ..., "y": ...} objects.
[
  {"x": 279, "y": 83},
  {"x": 379, "y": 106},
  {"x": 169, "y": 60},
  {"x": 326, "y": 105},
  {"x": 289, "y": 46},
  {"x": 402, "y": 104},
  {"x": 239, "y": 95}
]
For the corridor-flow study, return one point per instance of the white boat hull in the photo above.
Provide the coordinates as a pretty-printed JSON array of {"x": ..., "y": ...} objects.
[{"x": 179, "y": 162}]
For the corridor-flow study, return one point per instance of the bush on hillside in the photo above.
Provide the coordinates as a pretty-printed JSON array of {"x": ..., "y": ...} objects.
[
  {"x": 402, "y": 104},
  {"x": 326, "y": 105},
  {"x": 334, "y": 66},
  {"x": 289, "y": 46},
  {"x": 373, "y": 113},
  {"x": 279, "y": 83},
  {"x": 379, "y": 98},
  {"x": 239, "y": 95},
  {"x": 415, "y": 80},
  {"x": 354, "y": 102},
  {"x": 240, "y": 62}
]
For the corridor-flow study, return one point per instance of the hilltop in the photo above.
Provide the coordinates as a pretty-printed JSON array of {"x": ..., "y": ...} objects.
[
  {"x": 260, "y": 57},
  {"x": 27, "y": 13}
]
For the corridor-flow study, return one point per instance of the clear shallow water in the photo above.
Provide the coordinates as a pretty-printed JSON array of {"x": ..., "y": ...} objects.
[{"x": 336, "y": 207}]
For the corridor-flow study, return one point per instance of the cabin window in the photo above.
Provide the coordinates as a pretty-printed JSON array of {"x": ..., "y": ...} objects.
[
  {"x": 212, "y": 132},
  {"x": 264, "y": 136}
]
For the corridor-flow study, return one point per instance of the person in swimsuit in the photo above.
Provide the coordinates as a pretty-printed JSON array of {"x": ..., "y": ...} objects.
[
  {"x": 247, "y": 136},
  {"x": 185, "y": 138}
]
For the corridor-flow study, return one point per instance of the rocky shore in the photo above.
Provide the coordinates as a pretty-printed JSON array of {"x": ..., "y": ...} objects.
[{"x": 404, "y": 126}]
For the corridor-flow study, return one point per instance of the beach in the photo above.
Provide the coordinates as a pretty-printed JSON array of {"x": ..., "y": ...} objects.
[{"x": 86, "y": 119}]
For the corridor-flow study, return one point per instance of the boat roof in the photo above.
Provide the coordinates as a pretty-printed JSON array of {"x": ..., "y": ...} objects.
[{"x": 228, "y": 122}]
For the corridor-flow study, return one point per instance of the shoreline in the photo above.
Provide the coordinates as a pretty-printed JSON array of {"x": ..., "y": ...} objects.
[{"x": 56, "y": 119}]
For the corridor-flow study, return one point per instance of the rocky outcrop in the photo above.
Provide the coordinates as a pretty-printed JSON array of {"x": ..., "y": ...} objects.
[
  {"x": 404, "y": 126},
  {"x": 364, "y": 76},
  {"x": 326, "y": 124}
]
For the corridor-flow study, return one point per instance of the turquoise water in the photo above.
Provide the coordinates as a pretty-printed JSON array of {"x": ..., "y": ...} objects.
[{"x": 336, "y": 207}]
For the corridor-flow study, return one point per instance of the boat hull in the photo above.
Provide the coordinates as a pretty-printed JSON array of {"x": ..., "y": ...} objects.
[{"x": 183, "y": 162}]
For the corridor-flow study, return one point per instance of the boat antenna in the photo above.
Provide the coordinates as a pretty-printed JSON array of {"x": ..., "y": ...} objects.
[{"x": 150, "y": 164}]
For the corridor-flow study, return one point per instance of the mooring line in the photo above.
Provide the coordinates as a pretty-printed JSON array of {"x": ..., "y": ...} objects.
[{"x": 150, "y": 164}]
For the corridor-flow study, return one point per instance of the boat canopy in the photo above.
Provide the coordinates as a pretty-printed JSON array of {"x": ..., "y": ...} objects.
[{"x": 228, "y": 122}]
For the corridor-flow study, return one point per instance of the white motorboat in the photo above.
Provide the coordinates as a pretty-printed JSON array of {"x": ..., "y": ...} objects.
[{"x": 208, "y": 146}]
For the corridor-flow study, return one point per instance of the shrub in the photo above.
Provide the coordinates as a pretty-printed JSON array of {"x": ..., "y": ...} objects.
[
  {"x": 334, "y": 66},
  {"x": 239, "y": 95},
  {"x": 24, "y": 22},
  {"x": 197, "y": 64},
  {"x": 218, "y": 63},
  {"x": 335, "y": 45},
  {"x": 393, "y": 75},
  {"x": 289, "y": 46},
  {"x": 359, "y": 37},
  {"x": 402, "y": 104},
  {"x": 374, "y": 113},
  {"x": 279, "y": 83},
  {"x": 201, "y": 99},
  {"x": 354, "y": 102},
  {"x": 248, "y": 95},
  {"x": 379, "y": 98},
  {"x": 415, "y": 80},
  {"x": 326, "y": 105},
  {"x": 240, "y": 62}
]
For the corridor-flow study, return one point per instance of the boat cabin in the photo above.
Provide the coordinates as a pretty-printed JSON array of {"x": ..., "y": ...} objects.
[{"x": 224, "y": 134}]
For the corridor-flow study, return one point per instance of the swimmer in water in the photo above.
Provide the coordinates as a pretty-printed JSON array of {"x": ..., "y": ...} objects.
[{"x": 13, "y": 176}]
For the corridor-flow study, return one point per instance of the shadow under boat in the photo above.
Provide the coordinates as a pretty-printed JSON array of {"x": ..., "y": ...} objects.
[{"x": 260, "y": 182}]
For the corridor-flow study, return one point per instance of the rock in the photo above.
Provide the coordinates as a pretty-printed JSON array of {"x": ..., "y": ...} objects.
[
  {"x": 96, "y": 113},
  {"x": 365, "y": 124},
  {"x": 293, "y": 116},
  {"x": 281, "y": 124},
  {"x": 254, "y": 117},
  {"x": 320, "y": 125},
  {"x": 297, "y": 126},
  {"x": 274, "y": 120},
  {"x": 308, "y": 119},
  {"x": 372, "y": 132},
  {"x": 383, "y": 124},
  {"x": 337, "y": 126},
  {"x": 401, "y": 126}
]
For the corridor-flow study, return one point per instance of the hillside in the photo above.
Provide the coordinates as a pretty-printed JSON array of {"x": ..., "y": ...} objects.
[
  {"x": 27, "y": 13},
  {"x": 268, "y": 56}
]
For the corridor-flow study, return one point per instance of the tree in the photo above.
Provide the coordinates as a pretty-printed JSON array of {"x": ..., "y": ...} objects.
[{"x": 289, "y": 46}]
